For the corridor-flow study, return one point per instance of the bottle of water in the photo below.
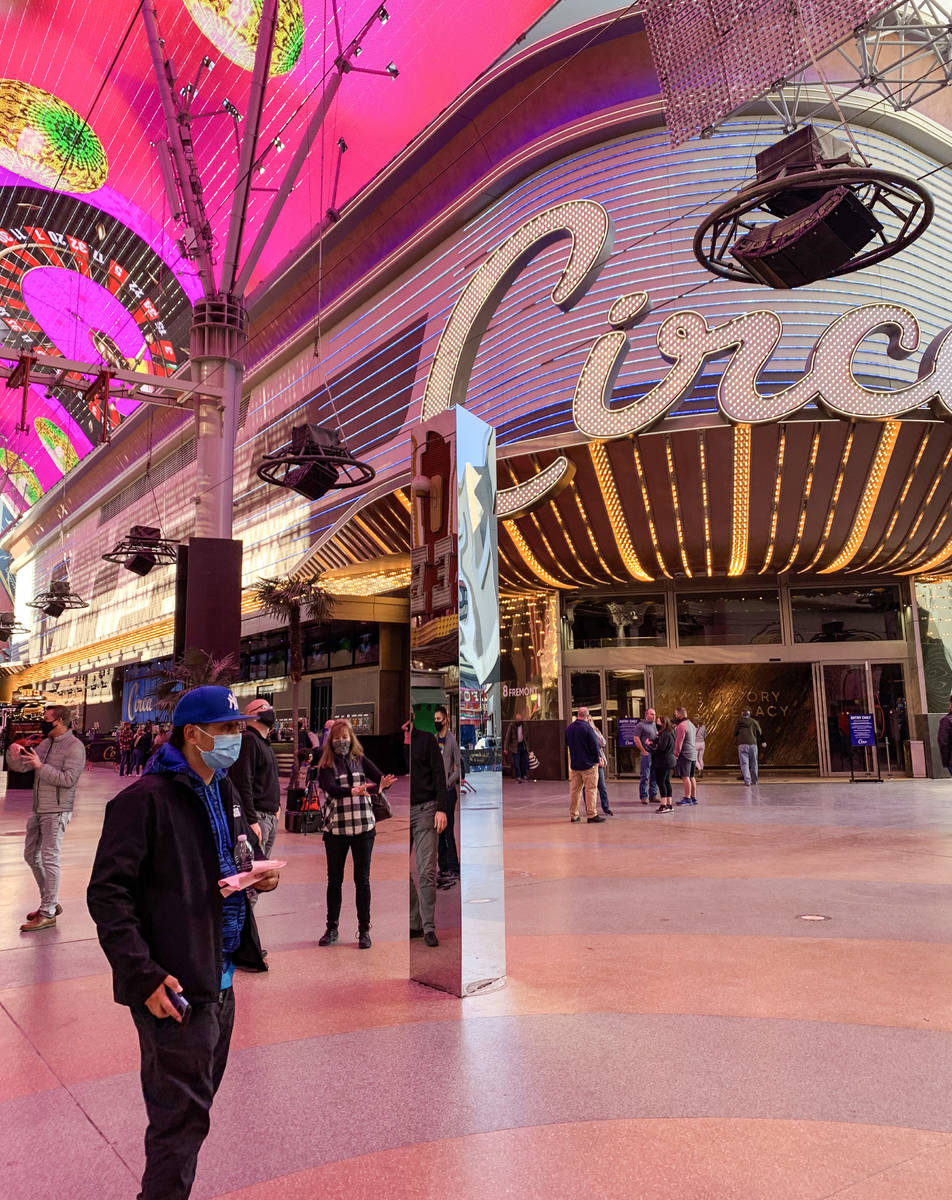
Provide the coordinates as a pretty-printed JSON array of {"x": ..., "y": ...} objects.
[{"x": 244, "y": 855}]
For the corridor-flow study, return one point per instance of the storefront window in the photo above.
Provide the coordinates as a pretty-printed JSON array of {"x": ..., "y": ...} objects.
[
  {"x": 729, "y": 618},
  {"x": 603, "y": 621},
  {"x": 528, "y": 631},
  {"x": 935, "y": 628},
  {"x": 867, "y": 614}
]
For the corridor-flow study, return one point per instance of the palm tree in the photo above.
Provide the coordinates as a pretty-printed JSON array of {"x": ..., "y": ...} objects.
[
  {"x": 287, "y": 600},
  {"x": 196, "y": 668}
]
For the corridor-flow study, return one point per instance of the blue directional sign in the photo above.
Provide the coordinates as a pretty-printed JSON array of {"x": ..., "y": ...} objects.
[
  {"x": 862, "y": 729},
  {"x": 626, "y": 730}
]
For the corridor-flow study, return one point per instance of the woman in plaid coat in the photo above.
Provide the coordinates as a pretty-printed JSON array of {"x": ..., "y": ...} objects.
[{"x": 345, "y": 777}]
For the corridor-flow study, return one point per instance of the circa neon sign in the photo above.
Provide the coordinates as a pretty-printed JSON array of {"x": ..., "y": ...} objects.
[{"x": 686, "y": 341}]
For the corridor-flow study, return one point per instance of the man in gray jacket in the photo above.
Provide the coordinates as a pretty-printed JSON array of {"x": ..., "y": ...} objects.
[{"x": 56, "y": 763}]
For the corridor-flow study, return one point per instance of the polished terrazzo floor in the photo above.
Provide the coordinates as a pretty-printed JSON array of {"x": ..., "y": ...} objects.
[{"x": 670, "y": 1027}]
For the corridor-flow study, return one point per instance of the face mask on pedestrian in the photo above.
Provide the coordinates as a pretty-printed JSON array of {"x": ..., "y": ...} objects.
[
  {"x": 266, "y": 718},
  {"x": 47, "y": 727},
  {"x": 225, "y": 750},
  {"x": 341, "y": 746},
  {"x": 438, "y": 721}
]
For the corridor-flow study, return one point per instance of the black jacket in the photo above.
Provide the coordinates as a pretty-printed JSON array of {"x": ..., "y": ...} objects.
[
  {"x": 662, "y": 751},
  {"x": 255, "y": 775},
  {"x": 154, "y": 896},
  {"x": 427, "y": 774}
]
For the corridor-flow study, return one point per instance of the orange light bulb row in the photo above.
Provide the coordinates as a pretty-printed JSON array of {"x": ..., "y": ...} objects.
[
  {"x": 867, "y": 504},
  {"x": 740, "y": 515},
  {"x": 616, "y": 514}
]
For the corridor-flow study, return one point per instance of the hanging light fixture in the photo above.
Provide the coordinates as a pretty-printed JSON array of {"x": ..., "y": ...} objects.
[
  {"x": 143, "y": 549},
  {"x": 57, "y": 599},
  {"x": 316, "y": 462},
  {"x": 827, "y": 211},
  {"x": 9, "y": 625}
]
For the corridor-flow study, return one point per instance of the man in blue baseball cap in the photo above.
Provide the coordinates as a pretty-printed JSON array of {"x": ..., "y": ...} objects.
[{"x": 171, "y": 934}]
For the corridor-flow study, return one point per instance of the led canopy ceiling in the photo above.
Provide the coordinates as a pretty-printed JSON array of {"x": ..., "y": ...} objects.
[
  {"x": 232, "y": 26},
  {"x": 46, "y": 141}
]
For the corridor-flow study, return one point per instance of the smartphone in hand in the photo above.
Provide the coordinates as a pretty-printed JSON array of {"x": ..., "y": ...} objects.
[{"x": 182, "y": 1006}]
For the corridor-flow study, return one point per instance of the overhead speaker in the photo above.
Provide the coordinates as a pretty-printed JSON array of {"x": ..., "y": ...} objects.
[{"x": 809, "y": 245}]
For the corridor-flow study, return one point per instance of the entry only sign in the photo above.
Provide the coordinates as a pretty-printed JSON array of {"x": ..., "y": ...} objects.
[
  {"x": 862, "y": 729},
  {"x": 626, "y": 730}
]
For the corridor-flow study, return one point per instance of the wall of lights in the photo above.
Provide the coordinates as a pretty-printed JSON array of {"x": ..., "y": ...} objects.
[{"x": 525, "y": 371}]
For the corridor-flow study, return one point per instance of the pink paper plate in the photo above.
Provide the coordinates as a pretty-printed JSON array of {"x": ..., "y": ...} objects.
[{"x": 247, "y": 878}]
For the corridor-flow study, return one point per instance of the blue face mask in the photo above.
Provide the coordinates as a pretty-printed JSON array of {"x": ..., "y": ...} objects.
[{"x": 224, "y": 752}]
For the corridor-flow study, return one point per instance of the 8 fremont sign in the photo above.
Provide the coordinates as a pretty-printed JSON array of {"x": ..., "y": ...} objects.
[{"x": 686, "y": 341}]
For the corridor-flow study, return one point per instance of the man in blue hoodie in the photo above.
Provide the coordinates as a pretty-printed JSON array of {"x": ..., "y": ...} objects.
[{"x": 171, "y": 933}]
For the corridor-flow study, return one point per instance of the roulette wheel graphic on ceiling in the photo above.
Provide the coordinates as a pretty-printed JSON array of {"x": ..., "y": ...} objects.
[{"x": 79, "y": 283}]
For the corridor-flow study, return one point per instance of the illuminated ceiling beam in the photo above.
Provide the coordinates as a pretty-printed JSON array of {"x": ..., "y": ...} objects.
[
  {"x": 834, "y": 500},
  {"x": 740, "y": 501},
  {"x": 913, "y": 471},
  {"x": 616, "y": 515},
  {"x": 775, "y": 506},
  {"x": 938, "y": 560},
  {"x": 530, "y": 560},
  {"x": 646, "y": 500},
  {"x": 676, "y": 504},
  {"x": 705, "y": 503},
  {"x": 907, "y": 542},
  {"x": 867, "y": 504},
  {"x": 807, "y": 490}
]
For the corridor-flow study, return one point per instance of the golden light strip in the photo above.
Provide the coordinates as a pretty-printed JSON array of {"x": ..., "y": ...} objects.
[
  {"x": 519, "y": 577},
  {"x": 403, "y": 498},
  {"x": 705, "y": 507},
  {"x": 940, "y": 559},
  {"x": 808, "y": 488},
  {"x": 576, "y": 557},
  {"x": 775, "y": 509},
  {"x": 898, "y": 509},
  {"x": 676, "y": 504},
  {"x": 922, "y": 512},
  {"x": 864, "y": 511},
  {"x": 386, "y": 547},
  {"x": 834, "y": 500},
  {"x": 740, "y": 513},
  {"x": 530, "y": 559},
  {"x": 652, "y": 532},
  {"x": 616, "y": 514}
]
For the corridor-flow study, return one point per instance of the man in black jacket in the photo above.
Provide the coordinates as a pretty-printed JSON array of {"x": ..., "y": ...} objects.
[
  {"x": 429, "y": 804},
  {"x": 169, "y": 929},
  {"x": 255, "y": 776}
]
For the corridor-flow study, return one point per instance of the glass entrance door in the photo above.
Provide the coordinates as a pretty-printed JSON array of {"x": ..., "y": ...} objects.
[
  {"x": 844, "y": 691},
  {"x": 625, "y": 696},
  {"x": 892, "y": 720}
]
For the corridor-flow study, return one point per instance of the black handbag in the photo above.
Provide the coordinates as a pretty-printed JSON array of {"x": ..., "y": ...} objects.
[{"x": 381, "y": 806}]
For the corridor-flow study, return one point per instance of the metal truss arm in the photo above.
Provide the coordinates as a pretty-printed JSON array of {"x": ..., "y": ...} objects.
[{"x": 249, "y": 143}]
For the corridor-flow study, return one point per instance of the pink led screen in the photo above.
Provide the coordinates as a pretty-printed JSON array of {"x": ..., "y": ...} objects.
[
  {"x": 80, "y": 115},
  {"x": 716, "y": 55}
]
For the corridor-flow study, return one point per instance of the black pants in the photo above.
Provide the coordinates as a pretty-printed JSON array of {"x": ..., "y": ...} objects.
[
  {"x": 182, "y": 1066},
  {"x": 447, "y": 855},
  {"x": 663, "y": 779},
  {"x": 361, "y": 846}
]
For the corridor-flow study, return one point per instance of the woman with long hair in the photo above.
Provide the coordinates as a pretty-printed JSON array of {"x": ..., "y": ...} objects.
[
  {"x": 662, "y": 760},
  {"x": 344, "y": 775}
]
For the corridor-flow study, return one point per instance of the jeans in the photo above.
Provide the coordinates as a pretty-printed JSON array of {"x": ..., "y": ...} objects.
[
  {"x": 181, "y": 1068},
  {"x": 520, "y": 761},
  {"x": 423, "y": 840},
  {"x": 269, "y": 831},
  {"x": 647, "y": 786},
  {"x": 361, "y": 846},
  {"x": 583, "y": 783},
  {"x": 44, "y": 837},
  {"x": 748, "y": 763},
  {"x": 603, "y": 790},
  {"x": 448, "y": 857},
  {"x": 126, "y": 762}
]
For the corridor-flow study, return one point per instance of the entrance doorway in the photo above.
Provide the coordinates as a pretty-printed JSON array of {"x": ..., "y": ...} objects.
[
  {"x": 852, "y": 688},
  {"x": 321, "y": 708}
]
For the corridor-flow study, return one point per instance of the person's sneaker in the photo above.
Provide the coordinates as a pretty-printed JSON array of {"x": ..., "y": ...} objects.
[
  {"x": 430, "y": 938},
  {"x": 363, "y": 939},
  {"x": 608, "y": 812},
  {"x": 686, "y": 800},
  {"x": 665, "y": 808},
  {"x": 38, "y": 922},
  {"x": 644, "y": 800},
  {"x": 694, "y": 799},
  {"x": 595, "y": 820},
  {"x": 575, "y": 820},
  {"x": 36, "y": 913},
  {"x": 416, "y": 933},
  {"x": 330, "y": 936}
]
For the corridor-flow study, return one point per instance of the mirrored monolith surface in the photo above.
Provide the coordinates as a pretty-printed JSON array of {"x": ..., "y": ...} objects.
[{"x": 456, "y": 876}]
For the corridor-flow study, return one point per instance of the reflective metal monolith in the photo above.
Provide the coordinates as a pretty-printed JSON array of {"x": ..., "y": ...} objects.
[{"x": 454, "y": 653}]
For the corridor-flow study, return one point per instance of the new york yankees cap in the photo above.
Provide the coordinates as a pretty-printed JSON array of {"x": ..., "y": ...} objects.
[{"x": 207, "y": 706}]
